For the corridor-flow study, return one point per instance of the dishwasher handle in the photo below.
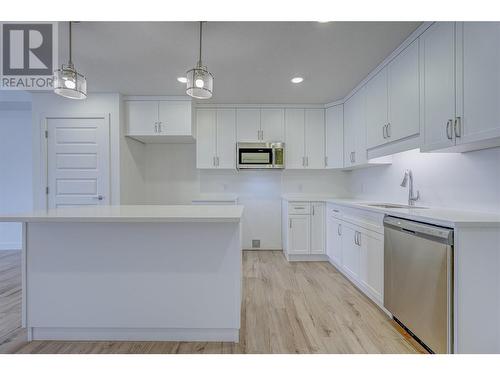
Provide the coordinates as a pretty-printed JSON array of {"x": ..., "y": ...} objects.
[{"x": 415, "y": 228}]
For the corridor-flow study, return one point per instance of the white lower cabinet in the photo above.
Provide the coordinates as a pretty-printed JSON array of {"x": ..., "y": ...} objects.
[
  {"x": 299, "y": 234},
  {"x": 304, "y": 230},
  {"x": 356, "y": 251}
]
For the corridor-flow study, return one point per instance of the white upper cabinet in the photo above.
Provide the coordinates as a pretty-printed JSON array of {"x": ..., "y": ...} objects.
[
  {"x": 272, "y": 125},
  {"x": 334, "y": 136},
  {"x": 142, "y": 117},
  {"x": 294, "y": 138},
  {"x": 478, "y": 96},
  {"x": 355, "y": 130},
  {"x": 248, "y": 124},
  {"x": 159, "y": 121},
  {"x": 376, "y": 109},
  {"x": 438, "y": 85},
  {"x": 315, "y": 138},
  {"x": 226, "y": 138},
  {"x": 206, "y": 134},
  {"x": 175, "y": 117},
  {"x": 403, "y": 93},
  {"x": 216, "y": 138}
]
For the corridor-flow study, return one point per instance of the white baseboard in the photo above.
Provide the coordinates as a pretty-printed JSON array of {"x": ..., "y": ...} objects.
[
  {"x": 10, "y": 246},
  {"x": 136, "y": 334}
]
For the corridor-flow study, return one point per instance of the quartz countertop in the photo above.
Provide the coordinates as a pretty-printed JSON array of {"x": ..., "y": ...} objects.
[
  {"x": 434, "y": 215},
  {"x": 133, "y": 213}
]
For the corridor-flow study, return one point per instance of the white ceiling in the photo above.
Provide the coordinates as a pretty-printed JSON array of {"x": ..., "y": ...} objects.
[{"x": 252, "y": 62}]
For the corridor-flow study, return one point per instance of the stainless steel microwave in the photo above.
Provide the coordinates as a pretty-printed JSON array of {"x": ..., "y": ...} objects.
[{"x": 260, "y": 155}]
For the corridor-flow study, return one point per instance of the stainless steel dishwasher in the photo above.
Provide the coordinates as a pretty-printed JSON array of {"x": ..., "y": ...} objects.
[{"x": 418, "y": 280}]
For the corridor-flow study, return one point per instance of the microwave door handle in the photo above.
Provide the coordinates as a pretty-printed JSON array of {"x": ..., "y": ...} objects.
[{"x": 273, "y": 156}]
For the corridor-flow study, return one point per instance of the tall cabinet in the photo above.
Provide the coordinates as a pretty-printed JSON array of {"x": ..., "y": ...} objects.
[
  {"x": 334, "y": 137},
  {"x": 216, "y": 138},
  {"x": 355, "y": 130}
]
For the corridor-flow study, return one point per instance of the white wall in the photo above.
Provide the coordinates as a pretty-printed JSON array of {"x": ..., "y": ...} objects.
[
  {"x": 49, "y": 104},
  {"x": 469, "y": 181},
  {"x": 171, "y": 177},
  {"x": 15, "y": 165}
]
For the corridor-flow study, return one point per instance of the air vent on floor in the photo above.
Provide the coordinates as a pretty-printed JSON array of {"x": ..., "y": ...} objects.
[{"x": 255, "y": 244}]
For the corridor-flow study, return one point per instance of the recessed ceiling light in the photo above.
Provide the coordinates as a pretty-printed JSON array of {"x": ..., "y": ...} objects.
[
  {"x": 297, "y": 79},
  {"x": 182, "y": 79}
]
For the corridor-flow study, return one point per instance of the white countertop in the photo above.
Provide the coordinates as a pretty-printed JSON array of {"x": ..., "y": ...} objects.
[
  {"x": 215, "y": 197},
  {"x": 433, "y": 215},
  {"x": 133, "y": 213}
]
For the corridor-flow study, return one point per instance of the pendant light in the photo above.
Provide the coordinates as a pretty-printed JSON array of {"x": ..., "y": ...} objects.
[
  {"x": 67, "y": 81},
  {"x": 200, "y": 81}
]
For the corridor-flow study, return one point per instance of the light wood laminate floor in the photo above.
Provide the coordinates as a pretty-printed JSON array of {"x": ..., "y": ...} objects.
[{"x": 303, "y": 307}]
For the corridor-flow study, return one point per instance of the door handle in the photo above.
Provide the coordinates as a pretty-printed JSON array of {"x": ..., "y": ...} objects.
[
  {"x": 99, "y": 197},
  {"x": 458, "y": 127},
  {"x": 449, "y": 135}
]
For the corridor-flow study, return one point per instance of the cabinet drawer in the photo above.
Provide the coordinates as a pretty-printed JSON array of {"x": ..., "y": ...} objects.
[{"x": 299, "y": 208}]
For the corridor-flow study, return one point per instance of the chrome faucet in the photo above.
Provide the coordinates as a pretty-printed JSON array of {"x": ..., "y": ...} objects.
[{"x": 411, "y": 197}]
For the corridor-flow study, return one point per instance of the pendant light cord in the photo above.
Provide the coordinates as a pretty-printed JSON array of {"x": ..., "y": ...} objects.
[
  {"x": 70, "y": 37},
  {"x": 201, "y": 35}
]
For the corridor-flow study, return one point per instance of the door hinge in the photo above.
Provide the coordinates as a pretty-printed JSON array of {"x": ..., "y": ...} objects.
[
  {"x": 47, "y": 190},
  {"x": 46, "y": 134}
]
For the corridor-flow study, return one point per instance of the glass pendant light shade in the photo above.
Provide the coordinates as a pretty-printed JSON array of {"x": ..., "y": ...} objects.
[
  {"x": 200, "y": 83},
  {"x": 69, "y": 83}
]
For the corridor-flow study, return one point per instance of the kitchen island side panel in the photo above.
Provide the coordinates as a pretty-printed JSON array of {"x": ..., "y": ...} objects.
[{"x": 134, "y": 276}]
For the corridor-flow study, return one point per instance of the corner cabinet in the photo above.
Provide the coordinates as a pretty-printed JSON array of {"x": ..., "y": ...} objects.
[
  {"x": 334, "y": 137},
  {"x": 355, "y": 246},
  {"x": 153, "y": 120},
  {"x": 303, "y": 230},
  {"x": 355, "y": 130},
  {"x": 216, "y": 138}
]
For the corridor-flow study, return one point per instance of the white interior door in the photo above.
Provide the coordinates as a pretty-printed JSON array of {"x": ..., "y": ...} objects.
[{"x": 78, "y": 172}]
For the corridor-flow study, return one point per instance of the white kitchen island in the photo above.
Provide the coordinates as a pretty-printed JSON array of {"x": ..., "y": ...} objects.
[{"x": 154, "y": 273}]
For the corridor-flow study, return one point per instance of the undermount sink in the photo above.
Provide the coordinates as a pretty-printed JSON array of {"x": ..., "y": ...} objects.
[{"x": 393, "y": 205}]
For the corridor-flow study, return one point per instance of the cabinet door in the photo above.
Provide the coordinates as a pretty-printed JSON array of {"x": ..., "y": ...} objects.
[
  {"x": 480, "y": 64},
  {"x": 299, "y": 235},
  {"x": 248, "y": 124},
  {"x": 315, "y": 138},
  {"x": 142, "y": 117},
  {"x": 403, "y": 78},
  {"x": 206, "y": 120},
  {"x": 226, "y": 138},
  {"x": 438, "y": 84},
  {"x": 360, "y": 154},
  {"x": 294, "y": 138},
  {"x": 334, "y": 137},
  {"x": 318, "y": 228},
  {"x": 376, "y": 109},
  {"x": 350, "y": 252},
  {"x": 334, "y": 240},
  {"x": 272, "y": 124},
  {"x": 372, "y": 264},
  {"x": 175, "y": 117},
  {"x": 349, "y": 131}
]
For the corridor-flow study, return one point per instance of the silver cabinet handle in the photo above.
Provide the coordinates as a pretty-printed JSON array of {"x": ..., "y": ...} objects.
[
  {"x": 217, "y": 158},
  {"x": 290, "y": 223},
  {"x": 156, "y": 127},
  {"x": 355, "y": 238},
  {"x": 159, "y": 127},
  {"x": 359, "y": 238},
  {"x": 458, "y": 127},
  {"x": 262, "y": 135},
  {"x": 383, "y": 131},
  {"x": 354, "y": 156},
  {"x": 313, "y": 209},
  {"x": 339, "y": 230},
  {"x": 213, "y": 161},
  {"x": 326, "y": 161},
  {"x": 449, "y": 135},
  {"x": 299, "y": 208},
  {"x": 99, "y": 197},
  {"x": 303, "y": 161},
  {"x": 388, "y": 130},
  {"x": 334, "y": 210},
  {"x": 307, "y": 161}
]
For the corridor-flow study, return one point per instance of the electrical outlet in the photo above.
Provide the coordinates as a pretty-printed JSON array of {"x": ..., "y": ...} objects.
[{"x": 255, "y": 244}]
